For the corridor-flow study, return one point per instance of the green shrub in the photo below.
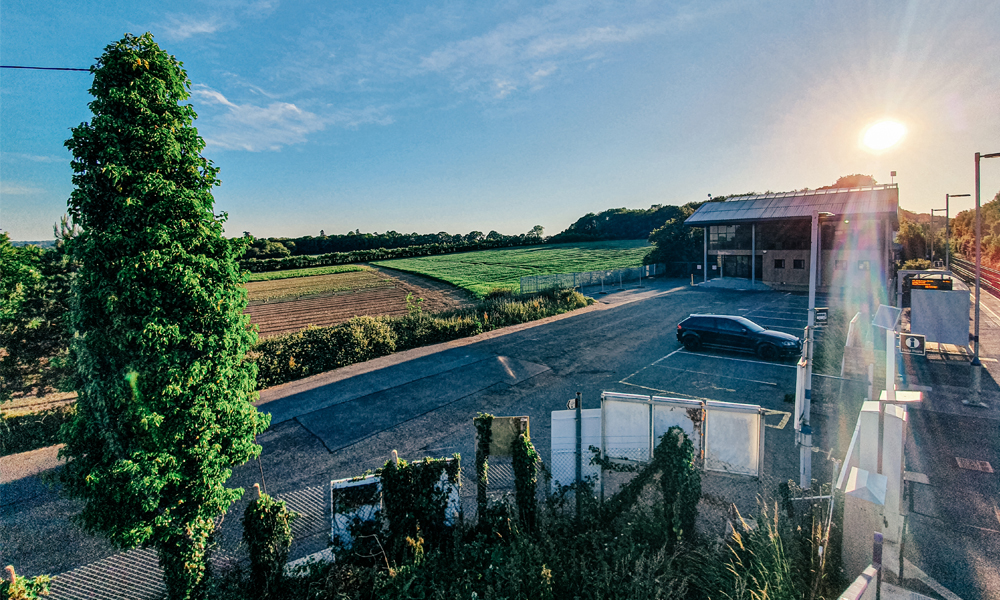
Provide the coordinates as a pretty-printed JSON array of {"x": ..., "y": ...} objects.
[
  {"x": 267, "y": 532},
  {"x": 24, "y": 588},
  {"x": 37, "y": 430}
]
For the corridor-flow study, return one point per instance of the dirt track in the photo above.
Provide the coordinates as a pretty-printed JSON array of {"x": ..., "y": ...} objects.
[{"x": 275, "y": 318}]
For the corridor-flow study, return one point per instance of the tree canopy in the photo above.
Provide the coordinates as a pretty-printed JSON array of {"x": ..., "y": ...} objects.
[{"x": 164, "y": 401}]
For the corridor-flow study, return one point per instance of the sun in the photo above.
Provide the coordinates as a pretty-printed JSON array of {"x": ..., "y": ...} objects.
[{"x": 883, "y": 135}]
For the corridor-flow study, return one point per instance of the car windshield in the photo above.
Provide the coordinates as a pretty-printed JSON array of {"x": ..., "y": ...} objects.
[{"x": 749, "y": 324}]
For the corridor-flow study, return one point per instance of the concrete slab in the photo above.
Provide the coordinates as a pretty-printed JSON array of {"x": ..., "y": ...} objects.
[{"x": 350, "y": 421}]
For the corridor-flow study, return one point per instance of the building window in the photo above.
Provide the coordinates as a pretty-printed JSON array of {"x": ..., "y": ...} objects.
[
  {"x": 779, "y": 263},
  {"x": 863, "y": 265},
  {"x": 840, "y": 265},
  {"x": 722, "y": 237},
  {"x": 799, "y": 263}
]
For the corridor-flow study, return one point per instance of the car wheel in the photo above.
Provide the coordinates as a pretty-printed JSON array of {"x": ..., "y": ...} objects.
[
  {"x": 767, "y": 352},
  {"x": 692, "y": 343}
]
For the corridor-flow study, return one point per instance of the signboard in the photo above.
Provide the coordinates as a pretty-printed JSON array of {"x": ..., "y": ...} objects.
[
  {"x": 931, "y": 284},
  {"x": 822, "y": 316},
  {"x": 910, "y": 343}
]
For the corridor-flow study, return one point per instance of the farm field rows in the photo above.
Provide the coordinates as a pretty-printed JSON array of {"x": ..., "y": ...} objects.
[
  {"x": 277, "y": 290},
  {"x": 485, "y": 270},
  {"x": 308, "y": 272},
  {"x": 292, "y": 312}
]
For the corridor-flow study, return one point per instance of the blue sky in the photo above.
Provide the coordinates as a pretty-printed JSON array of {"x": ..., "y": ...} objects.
[{"x": 458, "y": 116}]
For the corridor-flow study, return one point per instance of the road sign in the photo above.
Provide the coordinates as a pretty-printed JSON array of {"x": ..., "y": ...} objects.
[
  {"x": 912, "y": 344},
  {"x": 822, "y": 316}
]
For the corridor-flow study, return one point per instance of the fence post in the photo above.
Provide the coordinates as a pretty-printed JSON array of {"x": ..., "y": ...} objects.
[{"x": 579, "y": 456}]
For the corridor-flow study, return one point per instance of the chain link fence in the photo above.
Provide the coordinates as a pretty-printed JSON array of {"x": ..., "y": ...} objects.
[{"x": 610, "y": 278}]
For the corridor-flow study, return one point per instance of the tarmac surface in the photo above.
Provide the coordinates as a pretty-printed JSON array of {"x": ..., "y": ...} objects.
[{"x": 421, "y": 403}]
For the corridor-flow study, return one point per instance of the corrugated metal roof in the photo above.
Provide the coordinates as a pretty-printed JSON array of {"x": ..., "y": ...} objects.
[{"x": 880, "y": 201}]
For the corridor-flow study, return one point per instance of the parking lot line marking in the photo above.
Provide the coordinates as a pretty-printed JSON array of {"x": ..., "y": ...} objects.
[
  {"x": 757, "y": 362},
  {"x": 718, "y": 375},
  {"x": 664, "y": 358},
  {"x": 784, "y": 418},
  {"x": 667, "y": 393}
]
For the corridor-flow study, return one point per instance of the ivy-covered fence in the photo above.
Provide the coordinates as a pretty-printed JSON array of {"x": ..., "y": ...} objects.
[{"x": 399, "y": 511}]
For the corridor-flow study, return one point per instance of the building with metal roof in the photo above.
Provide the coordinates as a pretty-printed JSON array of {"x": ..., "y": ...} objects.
[{"x": 767, "y": 238}]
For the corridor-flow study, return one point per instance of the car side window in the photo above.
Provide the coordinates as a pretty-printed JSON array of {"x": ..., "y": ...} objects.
[{"x": 729, "y": 326}]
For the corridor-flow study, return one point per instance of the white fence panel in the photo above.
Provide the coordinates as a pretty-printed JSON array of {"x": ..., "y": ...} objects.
[
  {"x": 353, "y": 500},
  {"x": 563, "y": 455},
  {"x": 678, "y": 412},
  {"x": 734, "y": 438},
  {"x": 627, "y": 424}
]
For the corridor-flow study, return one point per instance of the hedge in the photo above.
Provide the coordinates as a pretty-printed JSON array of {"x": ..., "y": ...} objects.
[{"x": 37, "y": 430}]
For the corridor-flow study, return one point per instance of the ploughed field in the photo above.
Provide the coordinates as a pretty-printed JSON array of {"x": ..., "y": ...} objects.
[{"x": 292, "y": 304}]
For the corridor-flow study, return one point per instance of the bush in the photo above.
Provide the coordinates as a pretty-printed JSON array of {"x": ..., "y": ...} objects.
[
  {"x": 24, "y": 588},
  {"x": 37, "y": 430},
  {"x": 267, "y": 532},
  {"x": 916, "y": 264}
]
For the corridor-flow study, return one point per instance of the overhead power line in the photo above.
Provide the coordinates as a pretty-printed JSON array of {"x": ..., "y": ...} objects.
[{"x": 43, "y": 68}]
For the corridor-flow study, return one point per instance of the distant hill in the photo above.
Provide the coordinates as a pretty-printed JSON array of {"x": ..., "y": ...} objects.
[
  {"x": 46, "y": 244},
  {"x": 618, "y": 224}
]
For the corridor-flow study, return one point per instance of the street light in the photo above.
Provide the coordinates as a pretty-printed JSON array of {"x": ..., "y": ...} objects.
[
  {"x": 979, "y": 260},
  {"x": 947, "y": 227}
]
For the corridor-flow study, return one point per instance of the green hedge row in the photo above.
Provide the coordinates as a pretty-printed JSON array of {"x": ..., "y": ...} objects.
[
  {"x": 260, "y": 265},
  {"x": 318, "y": 349},
  {"x": 37, "y": 430}
]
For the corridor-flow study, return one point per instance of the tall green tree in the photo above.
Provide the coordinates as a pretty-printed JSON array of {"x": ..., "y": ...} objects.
[
  {"x": 34, "y": 300},
  {"x": 164, "y": 409}
]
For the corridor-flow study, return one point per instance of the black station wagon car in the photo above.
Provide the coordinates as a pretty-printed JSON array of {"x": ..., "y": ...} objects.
[{"x": 738, "y": 333}]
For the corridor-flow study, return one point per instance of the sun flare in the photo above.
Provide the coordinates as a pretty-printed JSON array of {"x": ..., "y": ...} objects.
[{"x": 883, "y": 135}]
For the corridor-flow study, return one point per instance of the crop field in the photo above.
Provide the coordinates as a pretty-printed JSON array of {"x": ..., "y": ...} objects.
[
  {"x": 485, "y": 270},
  {"x": 323, "y": 300},
  {"x": 292, "y": 273},
  {"x": 279, "y": 290}
]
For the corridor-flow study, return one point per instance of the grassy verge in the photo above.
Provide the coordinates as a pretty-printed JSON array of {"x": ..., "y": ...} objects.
[
  {"x": 318, "y": 349},
  {"x": 272, "y": 275},
  {"x": 483, "y": 271}
]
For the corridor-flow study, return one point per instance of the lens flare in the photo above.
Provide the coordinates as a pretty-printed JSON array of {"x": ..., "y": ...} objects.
[{"x": 883, "y": 135}]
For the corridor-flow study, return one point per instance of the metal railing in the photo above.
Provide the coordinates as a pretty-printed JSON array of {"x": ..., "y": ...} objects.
[{"x": 609, "y": 278}]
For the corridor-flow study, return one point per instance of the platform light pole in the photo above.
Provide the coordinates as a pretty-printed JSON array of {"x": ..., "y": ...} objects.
[
  {"x": 976, "y": 365},
  {"x": 803, "y": 404},
  {"x": 947, "y": 228}
]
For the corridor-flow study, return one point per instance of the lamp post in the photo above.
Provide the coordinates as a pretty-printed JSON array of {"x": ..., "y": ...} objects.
[
  {"x": 979, "y": 260},
  {"x": 947, "y": 228}
]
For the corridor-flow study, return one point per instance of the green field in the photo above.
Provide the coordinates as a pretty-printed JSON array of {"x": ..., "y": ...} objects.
[
  {"x": 480, "y": 272},
  {"x": 271, "y": 275}
]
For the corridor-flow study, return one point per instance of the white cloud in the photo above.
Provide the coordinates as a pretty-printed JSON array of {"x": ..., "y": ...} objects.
[
  {"x": 181, "y": 28},
  {"x": 518, "y": 54},
  {"x": 256, "y": 128},
  {"x": 15, "y": 189},
  {"x": 33, "y": 157}
]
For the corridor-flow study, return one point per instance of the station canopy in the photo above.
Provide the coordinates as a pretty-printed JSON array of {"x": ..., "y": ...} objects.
[{"x": 875, "y": 202}]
